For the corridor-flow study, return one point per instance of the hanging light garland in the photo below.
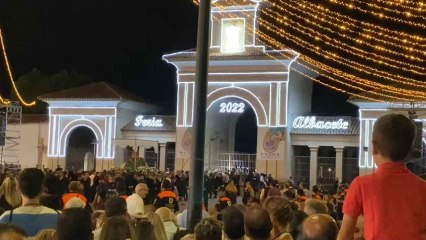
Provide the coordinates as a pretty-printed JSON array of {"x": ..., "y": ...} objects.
[
  {"x": 301, "y": 6},
  {"x": 325, "y": 68},
  {"x": 9, "y": 71},
  {"x": 341, "y": 29},
  {"x": 329, "y": 70}
]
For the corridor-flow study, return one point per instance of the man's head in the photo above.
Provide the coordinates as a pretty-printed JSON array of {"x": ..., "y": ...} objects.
[
  {"x": 393, "y": 137},
  {"x": 115, "y": 206},
  {"x": 319, "y": 227},
  {"x": 314, "y": 206},
  {"x": 233, "y": 223},
  {"x": 279, "y": 210},
  {"x": 73, "y": 224},
  {"x": 11, "y": 232},
  {"x": 142, "y": 190},
  {"x": 31, "y": 182},
  {"x": 257, "y": 223},
  {"x": 74, "y": 186},
  {"x": 208, "y": 228},
  {"x": 166, "y": 185}
]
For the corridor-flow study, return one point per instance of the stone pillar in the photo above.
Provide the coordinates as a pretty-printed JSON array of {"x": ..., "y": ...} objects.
[
  {"x": 162, "y": 156},
  {"x": 313, "y": 166},
  {"x": 339, "y": 162}
]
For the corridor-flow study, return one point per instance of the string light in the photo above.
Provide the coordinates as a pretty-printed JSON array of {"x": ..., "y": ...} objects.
[
  {"x": 415, "y": 9},
  {"x": 381, "y": 15},
  {"x": 9, "y": 71},
  {"x": 311, "y": 78},
  {"x": 352, "y": 78},
  {"x": 348, "y": 20},
  {"x": 366, "y": 82},
  {"x": 350, "y": 63},
  {"x": 286, "y": 35},
  {"x": 278, "y": 17},
  {"x": 345, "y": 44},
  {"x": 373, "y": 5}
]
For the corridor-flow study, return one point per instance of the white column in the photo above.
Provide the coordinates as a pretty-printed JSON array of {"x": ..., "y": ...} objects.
[
  {"x": 339, "y": 162},
  {"x": 162, "y": 156},
  {"x": 313, "y": 166}
]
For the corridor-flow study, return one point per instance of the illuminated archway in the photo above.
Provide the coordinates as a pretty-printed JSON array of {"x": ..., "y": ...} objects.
[
  {"x": 64, "y": 136},
  {"x": 243, "y": 94}
]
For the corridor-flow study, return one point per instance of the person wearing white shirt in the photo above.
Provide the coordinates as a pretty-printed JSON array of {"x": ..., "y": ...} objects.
[{"x": 135, "y": 204}]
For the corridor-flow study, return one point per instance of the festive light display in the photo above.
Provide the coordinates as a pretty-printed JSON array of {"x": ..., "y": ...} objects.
[
  {"x": 349, "y": 63},
  {"x": 9, "y": 71},
  {"x": 377, "y": 58},
  {"x": 280, "y": 46},
  {"x": 410, "y": 47},
  {"x": 340, "y": 27},
  {"x": 338, "y": 17},
  {"x": 381, "y": 15}
]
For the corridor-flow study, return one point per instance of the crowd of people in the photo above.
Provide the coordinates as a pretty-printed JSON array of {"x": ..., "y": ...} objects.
[{"x": 145, "y": 204}]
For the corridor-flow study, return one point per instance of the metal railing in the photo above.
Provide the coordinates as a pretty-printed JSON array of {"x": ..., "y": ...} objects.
[
  {"x": 228, "y": 161},
  {"x": 327, "y": 172},
  {"x": 302, "y": 169}
]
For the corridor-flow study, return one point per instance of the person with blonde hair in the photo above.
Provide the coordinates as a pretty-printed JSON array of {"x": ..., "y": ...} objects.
[
  {"x": 169, "y": 221},
  {"x": 46, "y": 234},
  {"x": 159, "y": 229},
  {"x": 118, "y": 228},
  {"x": 12, "y": 232},
  {"x": 10, "y": 197}
]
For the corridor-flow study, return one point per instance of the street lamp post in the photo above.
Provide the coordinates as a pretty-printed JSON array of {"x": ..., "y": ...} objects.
[{"x": 196, "y": 177}]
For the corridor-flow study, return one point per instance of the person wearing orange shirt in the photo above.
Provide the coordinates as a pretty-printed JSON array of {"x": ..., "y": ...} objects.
[
  {"x": 167, "y": 198},
  {"x": 75, "y": 190}
]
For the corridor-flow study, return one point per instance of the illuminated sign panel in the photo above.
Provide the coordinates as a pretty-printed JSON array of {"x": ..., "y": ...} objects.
[
  {"x": 312, "y": 123},
  {"x": 140, "y": 121},
  {"x": 233, "y": 35},
  {"x": 232, "y": 107}
]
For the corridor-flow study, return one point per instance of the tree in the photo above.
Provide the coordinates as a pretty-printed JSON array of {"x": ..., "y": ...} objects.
[{"x": 35, "y": 83}]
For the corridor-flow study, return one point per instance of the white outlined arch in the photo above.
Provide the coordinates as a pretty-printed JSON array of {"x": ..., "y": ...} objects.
[
  {"x": 67, "y": 130},
  {"x": 243, "y": 94}
]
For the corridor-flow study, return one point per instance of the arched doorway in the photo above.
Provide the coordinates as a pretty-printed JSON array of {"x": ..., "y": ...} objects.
[
  {"x": 81, "y": 149},
  {"x": 231, "y": 135}
]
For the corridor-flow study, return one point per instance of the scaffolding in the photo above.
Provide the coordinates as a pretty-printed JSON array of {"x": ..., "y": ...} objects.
[{"x": 10, "y": 134}]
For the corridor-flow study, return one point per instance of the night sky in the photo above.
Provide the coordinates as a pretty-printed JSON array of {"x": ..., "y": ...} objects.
[{"x": 114, "y": 41}]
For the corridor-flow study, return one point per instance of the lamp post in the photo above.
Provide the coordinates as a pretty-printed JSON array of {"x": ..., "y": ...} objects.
[{"x": 196, "y": 178}]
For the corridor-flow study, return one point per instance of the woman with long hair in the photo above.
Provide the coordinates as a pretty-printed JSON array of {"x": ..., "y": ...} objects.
[
  {"x": 117, "y": 228},
  {"x": 10, "y": 197},
  {"x": 157, "y": 222}
]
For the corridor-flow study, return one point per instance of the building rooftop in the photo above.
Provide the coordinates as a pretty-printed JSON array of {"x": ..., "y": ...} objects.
[
  {"x": 98, "y": 91},
  {"x": 250, "y": 53}
]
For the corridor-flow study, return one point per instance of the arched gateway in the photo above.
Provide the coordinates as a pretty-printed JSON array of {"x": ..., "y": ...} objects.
[
  {"x": 242, "y": 74},
  {"x": 103, "y": 109}
]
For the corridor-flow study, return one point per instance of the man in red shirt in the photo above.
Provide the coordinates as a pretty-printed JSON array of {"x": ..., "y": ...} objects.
[{"x": 393, "y": 199}]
